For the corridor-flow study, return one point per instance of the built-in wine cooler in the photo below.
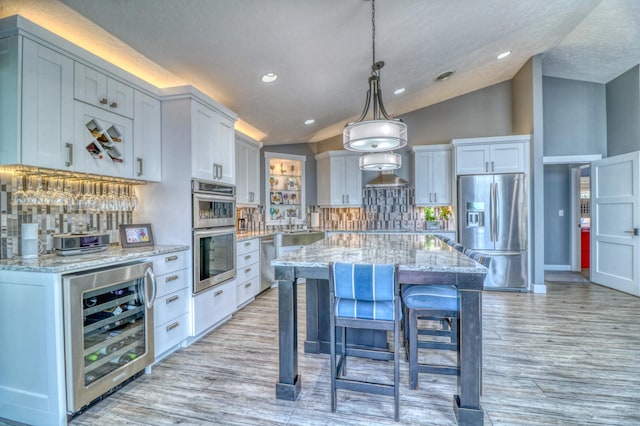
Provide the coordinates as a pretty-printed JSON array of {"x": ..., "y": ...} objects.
[{"x": 108, "y": 329}]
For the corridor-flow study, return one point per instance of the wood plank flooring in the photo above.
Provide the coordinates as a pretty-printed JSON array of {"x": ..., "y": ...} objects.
[{"x": 571, "y": 356}]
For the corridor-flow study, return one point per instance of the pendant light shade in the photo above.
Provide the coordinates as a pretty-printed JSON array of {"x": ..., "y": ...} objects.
[
  {"x": 380, "y": 161},
  {"x": 375, "y": 135},
  {"x": 381, "y": 132}
]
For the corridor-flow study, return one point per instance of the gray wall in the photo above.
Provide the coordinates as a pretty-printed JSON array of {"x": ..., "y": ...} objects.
[
  {"x": 557, "y": 229},
  {"x": 575, "y": 117},
  {"x": 484, "y": 112},
  {"x": 623, "y": 113},
  {"x": 310, "y": 168}
]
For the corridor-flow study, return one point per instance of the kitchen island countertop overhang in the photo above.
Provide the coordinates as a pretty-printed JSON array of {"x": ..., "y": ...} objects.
[{"x": 422, "y": 259}]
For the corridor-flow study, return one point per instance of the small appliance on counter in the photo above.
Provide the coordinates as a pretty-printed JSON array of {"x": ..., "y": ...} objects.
[{"x": 80, "y": 243}]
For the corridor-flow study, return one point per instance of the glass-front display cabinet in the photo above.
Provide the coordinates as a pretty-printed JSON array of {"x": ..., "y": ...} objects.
[{"x": 284, "y": 192}]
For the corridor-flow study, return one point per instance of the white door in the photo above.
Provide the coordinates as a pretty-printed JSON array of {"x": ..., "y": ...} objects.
[{"x": 615, "y": 218}]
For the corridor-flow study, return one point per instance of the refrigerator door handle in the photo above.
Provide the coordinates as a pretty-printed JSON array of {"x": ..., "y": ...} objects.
[
  {"x": 491, "y": 213},
  {"x": 495, "y": 213}
]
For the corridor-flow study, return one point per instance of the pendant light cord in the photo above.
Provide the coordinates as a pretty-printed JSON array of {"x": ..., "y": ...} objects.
[{"x": 373, "y": 35}]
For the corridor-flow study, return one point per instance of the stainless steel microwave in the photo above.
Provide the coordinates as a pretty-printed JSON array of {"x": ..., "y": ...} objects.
[{"x": 214, "y": 205}]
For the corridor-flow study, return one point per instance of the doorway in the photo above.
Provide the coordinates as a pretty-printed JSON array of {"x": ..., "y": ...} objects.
[{"x": 581, "y": 219}]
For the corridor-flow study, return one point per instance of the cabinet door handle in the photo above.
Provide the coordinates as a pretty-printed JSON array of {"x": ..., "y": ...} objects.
[
  {"x": 113, "y": 105},
  {"x": 247, "y": 270},
  {"x": 247, "y": 257},
  {"x": 104, "y": 101},
  {"x": 493, "y": 169},
  {"x": 435, "y": 197},
  {"x": 220, "y": 175},
  {"x": 247, "y": 244},
  {"x": 171, "y": 278},
  {"x": 172, "y": 299},
  {"x": 218, "y": 293},
  {"x": 486, "y": 166},
  {"x": 170, "y": 258},
  {"x": 172, "y": 326},
  {"x": 139, "y": 160},
  {"x": 430, "y": 195},
  {"x": 347, "y": 198},
  {"x": 247, "y": 285},
  {"x": 69, "y": 161}
]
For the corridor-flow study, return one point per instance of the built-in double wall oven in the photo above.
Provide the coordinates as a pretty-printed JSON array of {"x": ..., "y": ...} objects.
[{"x": 214, "y": 234}]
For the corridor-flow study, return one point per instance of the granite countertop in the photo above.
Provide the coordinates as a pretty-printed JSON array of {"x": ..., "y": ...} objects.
[
  {"x": 247, "y": 235},
  {"x": 411, "y": 251},
  {"x": 57, "y": 264}
]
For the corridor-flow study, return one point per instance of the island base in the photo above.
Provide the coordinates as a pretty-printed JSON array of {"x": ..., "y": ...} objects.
[
  {"x": 467, "y": 416},
  {"x": 289, "y": 391}
]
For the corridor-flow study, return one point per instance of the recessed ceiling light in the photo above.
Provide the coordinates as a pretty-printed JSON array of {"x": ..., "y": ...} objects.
[
  {"x": 504, "y": 54},
  {"x": 309, "y": 122},
  {"x": 445, "y": 75},
  {"x": 269, "y": 77},
  {"x": 399, "y": 91}
]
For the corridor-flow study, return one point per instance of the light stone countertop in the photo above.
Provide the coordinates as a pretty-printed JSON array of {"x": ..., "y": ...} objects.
[
  {"x": 247, "y": 235},
  {"x": 52, "y": 263},
  {"x": 411, "y": 251}
]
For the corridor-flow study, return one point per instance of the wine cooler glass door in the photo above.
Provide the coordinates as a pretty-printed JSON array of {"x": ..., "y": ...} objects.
[{"x": 108, "y": 329}]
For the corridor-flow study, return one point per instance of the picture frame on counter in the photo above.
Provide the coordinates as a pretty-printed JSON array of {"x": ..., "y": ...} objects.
[{"x": 136, "y": 235}]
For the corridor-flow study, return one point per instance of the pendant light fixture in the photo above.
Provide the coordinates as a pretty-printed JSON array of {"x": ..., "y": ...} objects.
[
  {"x": 382, "y": 132},
  {"x": 379, "y": 161}
]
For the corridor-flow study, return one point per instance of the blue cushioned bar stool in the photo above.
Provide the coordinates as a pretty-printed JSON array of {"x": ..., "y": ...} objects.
[
  {"x": 363, "y": 296},
  {"x": 435, "y": 302}
]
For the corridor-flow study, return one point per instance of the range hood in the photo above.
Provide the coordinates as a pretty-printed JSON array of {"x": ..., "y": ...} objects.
[{"x": 387, "y": 178}]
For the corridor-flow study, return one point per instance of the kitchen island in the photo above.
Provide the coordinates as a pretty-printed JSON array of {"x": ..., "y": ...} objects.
[{"x": 422, "y": 259}]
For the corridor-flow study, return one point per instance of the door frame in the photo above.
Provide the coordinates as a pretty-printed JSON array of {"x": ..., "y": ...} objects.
[{"x": 575, "y": 160}]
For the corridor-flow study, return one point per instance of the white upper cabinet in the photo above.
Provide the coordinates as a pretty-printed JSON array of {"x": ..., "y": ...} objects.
[
  {"x": 97, "y": 89},
  {"x": 432, "y": 171},
  {"x": 503, "y": 154},
  {"x": 339, "y": 182},
  {"x": 212, "y": 145},
  {"x": 36, "y": 106},
  {"x": 147, "y": 139},
  {"x": 247, "y": 171}
]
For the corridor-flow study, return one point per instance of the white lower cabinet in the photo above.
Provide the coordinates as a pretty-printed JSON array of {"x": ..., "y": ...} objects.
[
  {"x": 248, "y": 271},
  {"x": 173, "y": 299},
  {"x": 213, "y": 306}
]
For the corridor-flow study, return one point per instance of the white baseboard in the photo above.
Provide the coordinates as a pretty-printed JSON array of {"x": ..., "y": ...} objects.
[
  {"x": 557, "y": 267},
  {"x": 537, "y": 288}
]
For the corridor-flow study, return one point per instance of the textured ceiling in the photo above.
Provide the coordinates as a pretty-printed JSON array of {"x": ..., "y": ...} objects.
[{"x": 321, "y": 49}]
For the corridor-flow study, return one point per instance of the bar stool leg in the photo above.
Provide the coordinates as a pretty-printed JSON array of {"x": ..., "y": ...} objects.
[{"x": 413, "y": 349}]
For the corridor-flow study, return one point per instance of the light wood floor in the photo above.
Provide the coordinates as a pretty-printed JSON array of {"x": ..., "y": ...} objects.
[{"x": 569, "y": 357}]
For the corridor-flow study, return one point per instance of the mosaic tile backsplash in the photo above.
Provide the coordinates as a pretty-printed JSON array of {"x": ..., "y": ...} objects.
[{"x": 50, "y": 219}]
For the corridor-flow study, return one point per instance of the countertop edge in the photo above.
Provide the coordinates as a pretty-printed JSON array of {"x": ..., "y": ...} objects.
[{"x": 53, "y": 263}]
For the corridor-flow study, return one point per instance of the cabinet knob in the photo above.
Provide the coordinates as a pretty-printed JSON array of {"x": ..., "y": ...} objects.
[
  {"x": 171, "y": 278},
  {"x": 247, "y": 270},
  {"x": 170, "y": 258},
  {"x": 113, "y": 105},
  {"x": 247, "y": 285},
  {"x": 104, "y": 101}
]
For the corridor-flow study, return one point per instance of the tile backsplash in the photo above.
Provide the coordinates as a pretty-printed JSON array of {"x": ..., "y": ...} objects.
[{"x": 50, "y": 219}]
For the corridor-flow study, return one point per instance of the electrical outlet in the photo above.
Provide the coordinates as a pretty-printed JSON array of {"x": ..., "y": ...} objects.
[{"x": 560, "y": 213}]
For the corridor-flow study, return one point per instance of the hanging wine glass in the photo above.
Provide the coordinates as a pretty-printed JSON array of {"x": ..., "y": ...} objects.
[
  {"x": 42, "y": 196},
  {"x": 31, "y": 197},
  {"x": 57, "y": 195},
  {"x": 18, "y": 197},
  {"x": 133, "y": 200}
]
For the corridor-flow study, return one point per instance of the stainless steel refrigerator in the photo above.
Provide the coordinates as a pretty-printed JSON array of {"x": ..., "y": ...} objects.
[{"x": 493, "y": 220}]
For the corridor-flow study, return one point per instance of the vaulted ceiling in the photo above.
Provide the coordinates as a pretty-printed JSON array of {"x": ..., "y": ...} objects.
[{"x": 322, "y": 53}]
